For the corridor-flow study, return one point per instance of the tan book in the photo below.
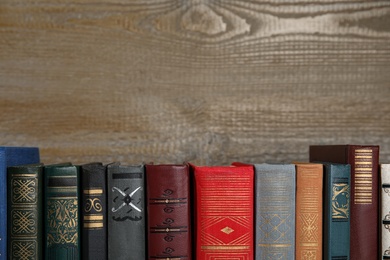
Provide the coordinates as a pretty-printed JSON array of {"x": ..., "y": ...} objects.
[{"x": 308, "y": 236}]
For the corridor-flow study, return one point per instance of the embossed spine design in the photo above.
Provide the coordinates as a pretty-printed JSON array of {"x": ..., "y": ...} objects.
[
  {"x": 169, "y": 230},
  {"x": 337, "y": 201},
  {"x": 62, "y": 213},
  {"x": 275, "y": 211},
  {"x": 363, "y": 176},
  {"x": 309, "y": 211},
  {"x": 25, "y": 213},
  {"x": 126, "y": 213},
  {"x": 224, "y": 212}
]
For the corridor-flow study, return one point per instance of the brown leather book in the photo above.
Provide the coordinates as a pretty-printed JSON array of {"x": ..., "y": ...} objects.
[
  {"x": 308, "y": 235},
  {"x": 169, "y": 212},
  {"x": 364, "y": 161}
]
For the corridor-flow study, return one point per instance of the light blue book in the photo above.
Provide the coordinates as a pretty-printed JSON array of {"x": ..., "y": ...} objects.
[{"x": 275, "y": 186}]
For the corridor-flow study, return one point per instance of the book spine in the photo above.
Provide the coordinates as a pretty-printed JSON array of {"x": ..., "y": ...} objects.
[
  {"x": 25, "y": 212},
  {"x": 364, "y": 202},
  {"x": 275, "y": 211},
  {"x": 224, "y": 212},
  {"x": 126, "y": 214},
  {"x": 94, "y": 212},
  {"x": 385, "y": 211},
  {"x": 11, "y": 156},
  {"x": 62, "y": 213},
  {"x": 3, "y": 205},
  {"x": 169, "y": 215},
  {"x": 337, "y": 212},
  {"x": 308, "y": 237}
]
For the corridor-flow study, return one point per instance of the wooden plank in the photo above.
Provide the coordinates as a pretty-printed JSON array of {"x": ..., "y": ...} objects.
[{"x": 209, "y": 82}]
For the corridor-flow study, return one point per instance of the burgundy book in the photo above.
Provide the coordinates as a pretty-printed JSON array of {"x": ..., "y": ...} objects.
[
  {"x": 169, "y": 212},
  {"x": 364, "y": 161}
]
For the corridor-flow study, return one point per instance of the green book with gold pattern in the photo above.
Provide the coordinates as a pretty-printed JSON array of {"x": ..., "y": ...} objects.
[
  {"x": 62, "y": 196},
  {"x": 25, "y": 215}
]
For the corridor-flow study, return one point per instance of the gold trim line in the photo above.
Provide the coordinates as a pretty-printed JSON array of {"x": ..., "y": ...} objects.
[
  {"x": 223, "y": 247},
  {"x": 93, "y": 192}
]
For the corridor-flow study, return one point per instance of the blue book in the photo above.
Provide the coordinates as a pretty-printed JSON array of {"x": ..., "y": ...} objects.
[
  {"x": 11, "y": 156},
  {"x": 275, "y": 186},
  {"x": 336, "y": 211}
]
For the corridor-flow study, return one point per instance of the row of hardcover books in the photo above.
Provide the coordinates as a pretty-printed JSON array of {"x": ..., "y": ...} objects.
[{"x": 326, "y": 209}]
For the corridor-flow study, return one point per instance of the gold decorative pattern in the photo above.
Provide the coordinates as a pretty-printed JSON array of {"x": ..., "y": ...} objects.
[
  {"x": 340, "y": 201},
  {"x": 227, "y": 230},
  {"x": 23, "y": 222},
  {"x": 24, "y": 250},
  {"x": 24, "y": 227},
  {"x": 93, "y": 207},
  {"x": 363, "y": 176},
  {"x": 93, "y": 204},
  {"x": 309, "y": 255},
  {"x": 23, "y": 190},
  {"x": 63, "y": 221}
]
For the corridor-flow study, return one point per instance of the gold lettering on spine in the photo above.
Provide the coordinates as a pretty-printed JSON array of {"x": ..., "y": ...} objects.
[{"x": 363, "y": 176}]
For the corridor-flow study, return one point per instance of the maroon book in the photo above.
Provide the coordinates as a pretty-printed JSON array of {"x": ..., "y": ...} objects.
[
  {"x": 364, "y": 161},
  {"x": 169, "y": 212}
]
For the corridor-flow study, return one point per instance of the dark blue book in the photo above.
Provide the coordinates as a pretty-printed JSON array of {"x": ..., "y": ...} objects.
[
  {"x": 337, "y": 211},
  {"x": 11, "y": 156}
]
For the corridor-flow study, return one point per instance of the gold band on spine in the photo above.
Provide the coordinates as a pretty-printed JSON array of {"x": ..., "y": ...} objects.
[
  {"x": 93, "y": 225},
  {"x": 91, "y": 218},
  {"x": 93, "y": 191}
]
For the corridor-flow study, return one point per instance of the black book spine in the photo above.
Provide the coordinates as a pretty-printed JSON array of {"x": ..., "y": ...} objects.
[
  {"x": 25, "y": 215},
  {"x": 94, "y": 212},
  {"x": 126, "y": 212}
]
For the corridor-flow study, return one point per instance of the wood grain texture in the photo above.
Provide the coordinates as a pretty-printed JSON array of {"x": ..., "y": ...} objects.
[{"x": 206, "y": 81}]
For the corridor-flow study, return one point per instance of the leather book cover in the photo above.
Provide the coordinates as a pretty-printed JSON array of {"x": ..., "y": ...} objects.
[
  {"x": 308, "y": 237},
  {"x": 93, "y": 211},
  {"x": 25, "y": 212},
  {"x": 61, "y": 197},
  {"x": 126, "y": 212},
  {"x": 169, "y": 212},
  {"x": 275, "y": 211},
  {"x": 385, "y": 211},
  {"x": 224, "y": 212},
  {"x": 364, "y": 160},
  {"x": 337, "y": 211},
  {"x": 11, "y": 156}
]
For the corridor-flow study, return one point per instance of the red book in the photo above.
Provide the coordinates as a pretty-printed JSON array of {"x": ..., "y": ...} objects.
[
  {"x": 224, "y": 221},
  {"x": 364, "y": 209},
  {"x": 169, "y": 215}
]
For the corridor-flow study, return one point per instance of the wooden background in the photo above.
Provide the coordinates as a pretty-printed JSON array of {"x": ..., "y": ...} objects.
[{"x": 205, "y": 81}]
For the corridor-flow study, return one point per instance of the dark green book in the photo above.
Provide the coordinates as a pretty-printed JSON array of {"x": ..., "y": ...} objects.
[
  {"x": 25, "y": 215},
  {"x": 62, "y": 228}
]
